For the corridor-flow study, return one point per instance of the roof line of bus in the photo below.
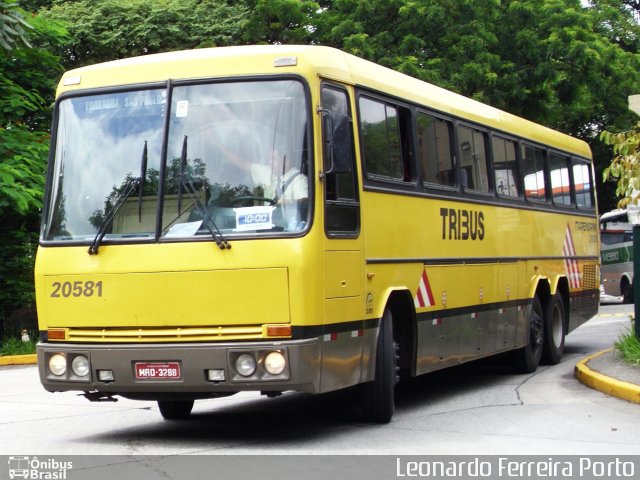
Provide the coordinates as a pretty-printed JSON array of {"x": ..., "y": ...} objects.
[
  {"x": 315, "y": 60},
  {"x": 618, "y": 213}
]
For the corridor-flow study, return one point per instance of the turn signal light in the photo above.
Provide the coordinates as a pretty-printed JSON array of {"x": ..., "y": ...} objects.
[
  {"x": 278, "y": 330},
  {"x": 56, "y": 334}
]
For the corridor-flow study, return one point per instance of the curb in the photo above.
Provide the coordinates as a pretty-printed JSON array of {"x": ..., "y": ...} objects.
[
  {"x": 19, "y": 360},
  {"x": 610, "y": 386}
]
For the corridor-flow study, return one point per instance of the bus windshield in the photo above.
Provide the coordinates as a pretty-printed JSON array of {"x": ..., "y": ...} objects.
[{"x": 237, "y": 159}]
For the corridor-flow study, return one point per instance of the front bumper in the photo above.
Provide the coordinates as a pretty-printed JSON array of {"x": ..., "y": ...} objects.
[{"x": 195, "y": 360}]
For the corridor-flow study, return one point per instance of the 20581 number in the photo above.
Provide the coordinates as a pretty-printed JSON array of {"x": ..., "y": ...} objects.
[{"x": 76, "y": 289}]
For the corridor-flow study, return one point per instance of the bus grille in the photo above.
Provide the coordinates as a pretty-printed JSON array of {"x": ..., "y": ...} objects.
[
  {"x": 590, "y": 282},
  {"x": 589, "y": 277},
  {"x": 186, "y": 334}
]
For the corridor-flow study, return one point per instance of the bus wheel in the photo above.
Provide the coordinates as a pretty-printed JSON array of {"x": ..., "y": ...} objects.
[
  {"x": 626, "y": 290},
  {"x": 527, "y": 358},
  {"x": 379, "y": 395},
  {"x": 554, "y": 331},
  {"x": 178, "y": 410}
]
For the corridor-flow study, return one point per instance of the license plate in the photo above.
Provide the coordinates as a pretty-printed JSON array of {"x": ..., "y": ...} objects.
[{"x": 157, "y": 371}]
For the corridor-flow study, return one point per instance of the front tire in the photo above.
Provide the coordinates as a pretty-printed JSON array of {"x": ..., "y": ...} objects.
[
  {"x": 379, "y": 395},
  {"x": 527, "y": 358},
  {"x": 175, "y": 410}
]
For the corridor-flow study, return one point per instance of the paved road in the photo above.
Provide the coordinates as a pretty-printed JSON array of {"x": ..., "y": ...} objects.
[{"x": 476, "y": 409}]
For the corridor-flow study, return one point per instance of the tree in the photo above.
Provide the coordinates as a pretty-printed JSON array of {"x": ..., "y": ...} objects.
[
  {"x": 102, "y": 30},
  {"x": 625, "y": 166},
  {"x": 12, "y": 25},
  {"x": 27, "y": 79},
  {"x": 279, "y": 21}
]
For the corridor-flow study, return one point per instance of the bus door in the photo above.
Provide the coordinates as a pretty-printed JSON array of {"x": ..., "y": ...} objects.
[{"x": 343, "y": 253}]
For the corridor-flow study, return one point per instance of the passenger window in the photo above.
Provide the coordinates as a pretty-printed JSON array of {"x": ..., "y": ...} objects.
[
  {"x": 533, "y": 173},
  {"x": 434, "y": 150},
  {"x": 505, "y": 167},
  {"x": 473, "y": 160},
  {"x": 380, "y": 133},
  {"x": 559, "y": 175},
  {"x": 582, "y": 185}
]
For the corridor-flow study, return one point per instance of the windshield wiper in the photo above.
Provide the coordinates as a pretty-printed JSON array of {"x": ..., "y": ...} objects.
[
  {"x": 186, "y": 185},
  {"x": 129, "y": 189}
]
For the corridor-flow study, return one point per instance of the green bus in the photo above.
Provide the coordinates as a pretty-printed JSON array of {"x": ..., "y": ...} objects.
[{"x": 616, "y": 252}]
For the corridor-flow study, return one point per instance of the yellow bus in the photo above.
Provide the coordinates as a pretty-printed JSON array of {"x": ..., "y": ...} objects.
[{"x": 294, "y": 218}]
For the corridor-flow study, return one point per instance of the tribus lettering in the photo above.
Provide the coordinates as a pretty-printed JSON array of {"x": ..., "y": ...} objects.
[{"x": 460, "y": 224}]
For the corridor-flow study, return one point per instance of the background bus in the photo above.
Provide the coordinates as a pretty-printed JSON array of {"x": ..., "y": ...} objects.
[
  {"x": 277, "y": 218},
  {"x": 616, "y": 236}
]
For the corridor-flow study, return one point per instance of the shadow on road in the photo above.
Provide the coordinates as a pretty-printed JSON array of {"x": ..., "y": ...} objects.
[{"x": 268, "y": 423}]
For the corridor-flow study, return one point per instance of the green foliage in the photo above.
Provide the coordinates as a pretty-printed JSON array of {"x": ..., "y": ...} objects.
[
  {"x": 27, "y": 79},
  {"x": 629, "y": 347},
  {"x": 279, "y": 21},
  {"x": 12, "y": 25},
  {"x": 14, "y": 346},
  {"x": 22, "y": 169},
  {"x": 102, "y": 30},
  {"x": 17, "y": 256},
  {"x": 626, "y": 164},
  {"x": 27, "y": 83}
]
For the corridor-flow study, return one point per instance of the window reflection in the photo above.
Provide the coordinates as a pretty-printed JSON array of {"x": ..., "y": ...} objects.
[
  {"x": 99, "y": 147},
  {"x": 246, "y": 153}
]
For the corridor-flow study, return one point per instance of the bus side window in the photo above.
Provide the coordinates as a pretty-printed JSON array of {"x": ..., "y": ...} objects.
[
  {"x": 582, "y": 185},
  {"x": 505, "y": 167},
  {"x": 384, "y": 130},
  {"x": 473, "y": 159},
  {"x": 559, "y": 174},
  {"x": 434, "y": 150},
  {"x": 342, "y": 208},
  {"x": 533, "y": 173}
]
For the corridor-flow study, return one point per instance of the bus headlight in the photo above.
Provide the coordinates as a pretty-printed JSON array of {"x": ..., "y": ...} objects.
[
  {"x": 58, "y": 364},
  {"x": 274, "y": 363},
  {"x": 245, "y": 365},
  {"x": 80, "y": 366}
]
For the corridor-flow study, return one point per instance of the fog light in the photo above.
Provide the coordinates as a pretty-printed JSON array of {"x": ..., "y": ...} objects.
[
  {"x": 80, "y": 366},
  {"x": 106, "y": 376},
  {"x": 245, "y": 365},
  {"x": 215, "y": 375},
  {"x": 58, "y": 364},
  {"x": 274, "y": 363}
]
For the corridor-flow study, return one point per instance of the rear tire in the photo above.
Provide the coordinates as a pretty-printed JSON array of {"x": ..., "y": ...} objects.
[
  {"x": 175, "y": 410},
  {"x": 527, "y": 358},
  {"x": 378, "y": 396},
  {"x": 554, "y": 330}
]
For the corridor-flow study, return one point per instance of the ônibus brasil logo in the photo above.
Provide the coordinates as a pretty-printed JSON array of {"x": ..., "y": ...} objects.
[{"x": 38, "y": 469}]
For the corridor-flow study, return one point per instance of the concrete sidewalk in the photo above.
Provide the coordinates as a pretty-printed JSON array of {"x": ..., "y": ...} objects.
[{"x": 608, "y": 373}]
